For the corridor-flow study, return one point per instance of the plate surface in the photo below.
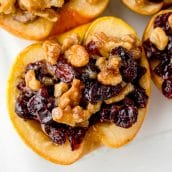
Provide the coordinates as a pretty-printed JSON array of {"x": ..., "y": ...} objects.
[{"x": 151, "y": 149}]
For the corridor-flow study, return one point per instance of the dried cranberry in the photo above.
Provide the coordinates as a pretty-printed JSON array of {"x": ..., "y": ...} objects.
[
  {"x": 56, "y": 132},
  {"x": 139, "y": 96},
  {"x": 76, "y": 136},
  {"x": 167, "y": 88},
  {"x": 95, "y": 91},
  {"x": 21, "y": 108},
  {"x": 162, "y": 21},
  {"x": 126, "y": 116},
  {"x": 164, "y": 69},
  {"x": 64, "y": 71},
  {"x": 109, "y": 114},
  {"x": 89, "y": 71},
  {"x": 92, "y": 48},
  {"x": 128, "y": 67},
  {"x": 41, "y": 105}
]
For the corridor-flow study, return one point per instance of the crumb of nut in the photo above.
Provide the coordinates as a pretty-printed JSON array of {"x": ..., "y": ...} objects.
[
  {"x": 114, "y": 62},
  {"x": 60, "y": 88},
  {"x": 52, "y": 50},
  {"x": 109, "y": 74},
  {"x": 159, "y": 38},
  {"x": 124, "y": 92},
  {"x": 109, "y": 77},
  {"x": 69, "y": 112},
  {"x": 72, "y": 39},
  {"x": 31, "y": 81},
  {"x": 170, "y": 21},
  {"x": 77, "y": 55},
  {"x": 73, "y": 95},
  {"x": 75, "y": 116}
]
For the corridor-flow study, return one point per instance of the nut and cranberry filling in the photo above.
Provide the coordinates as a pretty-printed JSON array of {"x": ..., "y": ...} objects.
[
  {"x": 26, "y": 11},
  {"x": 158, "y": 48},
  {"x": 77, "y": 86}
]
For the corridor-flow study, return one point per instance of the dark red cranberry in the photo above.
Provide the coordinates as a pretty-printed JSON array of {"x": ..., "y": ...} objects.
[
  {"x": 128, "y": 67},
  {"x": 92, "y": 48},
  {"x": 162, "y": 21},
  {"x": 139, "y": 97},
  {"x": 87, "y": 72},
  {"x": 56, "y": 132},
  {"x": 21, "y": 107},
  {"x": 167, "y": 88},
  {"x": 40, "y": 105},
  {"x": 164, "y": 69},
  {"x": 126, "y": 116},
  {"x": 108, "y": 114},
  {"x": 76, "y": 136},
  {"x": 64, "y": 71},
  {"x": 140, "y": 72},
  {"x": 95, "y": 91}
]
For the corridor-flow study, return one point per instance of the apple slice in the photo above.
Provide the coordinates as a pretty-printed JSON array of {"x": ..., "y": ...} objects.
[
  {"x": 74, "y": 13},
  {"x": 148, "y": 8},
  {"x": 154, "y": 62},
  {"x": 110, "y": 134},
  {"x": 97, "y": 135}
]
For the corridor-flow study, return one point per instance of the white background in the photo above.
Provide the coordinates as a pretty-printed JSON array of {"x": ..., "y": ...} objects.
[{"x": 150, "y": 151}]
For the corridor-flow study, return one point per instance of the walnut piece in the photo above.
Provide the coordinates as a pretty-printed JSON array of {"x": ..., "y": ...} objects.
[
  {"x": 31, "y": 81},
  {"x": 109, "y": 74},
  {"x": 124, "y": 92},
  {"x": 69, "y": 112},
  {"x": 159, "y": 38},
  {"x": 52, "y": 50},
  {"x": 77, "y": 55},
  {"x": 60, "y": 88},
  {"x": 106, "y": 44},
  {"x": 72, "y": 39}
]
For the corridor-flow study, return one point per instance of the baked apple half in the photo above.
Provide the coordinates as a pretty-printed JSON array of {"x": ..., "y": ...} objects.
[
  {"x": 157, "y": 42},
  {"x": 36, "y": 20},
  {"x": 87, "y": 88},
  {"x": 147, "y": 7}
]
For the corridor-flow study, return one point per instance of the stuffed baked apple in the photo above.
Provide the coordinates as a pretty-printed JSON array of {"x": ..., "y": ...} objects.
[
  {"x": 37, "y": 20},
  {"x": 147, "y": 7},
  {"x": 157, "y": 42},
  {"x": 89, "y": 87}
]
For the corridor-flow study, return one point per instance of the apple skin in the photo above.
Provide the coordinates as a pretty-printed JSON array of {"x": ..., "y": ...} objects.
[
  {"x": 98, "y": 135},
  {"x": 73, "y": 14}
]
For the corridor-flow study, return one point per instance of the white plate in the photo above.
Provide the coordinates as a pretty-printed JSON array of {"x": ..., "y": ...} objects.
[{"x": 151, "y": 149}]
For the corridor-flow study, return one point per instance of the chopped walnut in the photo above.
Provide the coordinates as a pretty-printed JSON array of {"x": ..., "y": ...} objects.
[
  {"x": 159, "y": 38},
  {"x": 31, "y": 81},
  {"x": 77, "y": 55},
  {"x": 60, "y": 88},
  {"x": 124, "y": 92},
  {"x": 52, "y": 50},
  {"x": 106, "y": 44},
  {"x": 68, "y": 111},
  {"x": 109, "y": 74},
  {"x": 73, "y": 39}
]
